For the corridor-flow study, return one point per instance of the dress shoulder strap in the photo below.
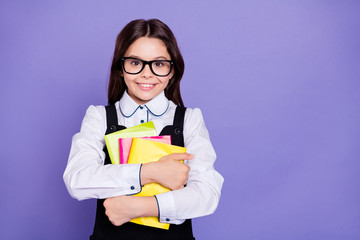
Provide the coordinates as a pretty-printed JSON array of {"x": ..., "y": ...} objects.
[
  {"x": 112, "y": 126},
  {"x": 179, "y": 117},
  {"x": 112, "y": 119},
  {"x": 176, "y": 130}
]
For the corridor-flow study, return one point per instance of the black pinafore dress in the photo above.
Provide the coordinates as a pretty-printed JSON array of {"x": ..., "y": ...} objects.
[{"x": 105, "y": 230}]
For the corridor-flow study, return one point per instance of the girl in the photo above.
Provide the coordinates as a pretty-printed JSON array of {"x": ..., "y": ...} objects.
[{"x": 145, "y": 86}]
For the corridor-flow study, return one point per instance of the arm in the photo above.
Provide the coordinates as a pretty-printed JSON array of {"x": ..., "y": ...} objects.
[
  {"x": 122, "y": 209},
  {"x": 199, "y": 198},
  {"x": 168, "y": 171},
  {"x": 201, "y": 195},
  {"x": 85, "y": 175}
]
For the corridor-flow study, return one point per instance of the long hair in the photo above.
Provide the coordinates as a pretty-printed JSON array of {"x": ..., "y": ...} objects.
[{"x": 135, "y": 29}]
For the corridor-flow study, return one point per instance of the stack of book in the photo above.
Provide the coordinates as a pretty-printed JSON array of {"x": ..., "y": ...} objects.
[{"x": 139, "y": 144}]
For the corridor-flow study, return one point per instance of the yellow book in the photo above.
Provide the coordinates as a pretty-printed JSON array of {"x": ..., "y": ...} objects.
[
  {"x": 112, "y": 140},
  {"x": 146, "y": 151}
]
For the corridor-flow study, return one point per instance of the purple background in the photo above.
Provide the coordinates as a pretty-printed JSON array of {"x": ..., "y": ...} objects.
[{"x": 277, "y": 81}]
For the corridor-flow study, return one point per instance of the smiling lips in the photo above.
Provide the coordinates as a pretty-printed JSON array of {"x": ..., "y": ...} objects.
[{"x": 146, "y": 86}]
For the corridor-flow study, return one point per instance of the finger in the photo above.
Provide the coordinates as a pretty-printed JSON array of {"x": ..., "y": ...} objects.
[
  {"x": 105, "y": 203},
  {"x": 181, "y": 156}
]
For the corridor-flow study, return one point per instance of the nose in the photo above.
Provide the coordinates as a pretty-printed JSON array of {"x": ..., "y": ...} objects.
[{"x": 146, "y": 72}]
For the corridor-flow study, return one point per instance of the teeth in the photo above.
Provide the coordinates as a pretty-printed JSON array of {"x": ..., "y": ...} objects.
[{"x": 146, "y": 85}]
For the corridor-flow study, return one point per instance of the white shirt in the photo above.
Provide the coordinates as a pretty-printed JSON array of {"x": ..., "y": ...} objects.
[{"x": 86, "y": 177}]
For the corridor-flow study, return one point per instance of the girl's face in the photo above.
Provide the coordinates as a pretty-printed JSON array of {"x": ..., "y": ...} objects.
[{"x": 144, "y": 86}]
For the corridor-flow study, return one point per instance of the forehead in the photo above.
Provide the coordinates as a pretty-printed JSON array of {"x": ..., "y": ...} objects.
[{"x": 147, "y": 49}]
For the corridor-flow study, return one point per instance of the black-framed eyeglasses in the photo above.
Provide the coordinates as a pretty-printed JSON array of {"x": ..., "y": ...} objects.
[{"x": 161, "y": 68}]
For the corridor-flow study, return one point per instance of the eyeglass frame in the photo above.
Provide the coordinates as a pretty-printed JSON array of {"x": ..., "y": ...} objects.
[{"x": 147, "y": 63}]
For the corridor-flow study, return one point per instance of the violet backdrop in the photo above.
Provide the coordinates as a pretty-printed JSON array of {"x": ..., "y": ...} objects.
[{"x": 277, "y": 81}]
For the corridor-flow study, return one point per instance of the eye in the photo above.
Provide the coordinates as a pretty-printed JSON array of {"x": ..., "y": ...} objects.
[
  {"x": 135, "y": 62},
  {"x": 159, "y": 64}
]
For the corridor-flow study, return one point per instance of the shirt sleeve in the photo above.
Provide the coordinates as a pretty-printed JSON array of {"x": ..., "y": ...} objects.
[
  {"x": 85, "y": 175},
  {"x": 201, "y": 195}
]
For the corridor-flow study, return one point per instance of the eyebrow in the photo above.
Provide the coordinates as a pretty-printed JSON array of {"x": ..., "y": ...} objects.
[{"x": 156, "y": 58}]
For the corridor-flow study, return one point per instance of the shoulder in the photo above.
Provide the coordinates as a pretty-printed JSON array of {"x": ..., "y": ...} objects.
[
  {"x": 194, "y": 121},
  {"x": 193, "y": 115},
  {"x": 94, "y": 119},
  {"x": 95, "y": 112},
  {"x": 194, "y": 127}
]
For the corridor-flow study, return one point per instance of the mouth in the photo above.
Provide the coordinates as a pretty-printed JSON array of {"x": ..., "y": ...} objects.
[{"x": 146, "y": 86}]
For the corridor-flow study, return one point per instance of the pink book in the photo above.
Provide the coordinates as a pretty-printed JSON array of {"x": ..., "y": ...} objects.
[{"x": 125, "y": 145}]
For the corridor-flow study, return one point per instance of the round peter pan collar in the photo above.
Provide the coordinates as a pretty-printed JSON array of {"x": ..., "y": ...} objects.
[{"x": 157, "y": 106}]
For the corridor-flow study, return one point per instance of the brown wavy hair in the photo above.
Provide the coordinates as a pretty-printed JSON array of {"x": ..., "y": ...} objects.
[{"x": 135, "y": 29}]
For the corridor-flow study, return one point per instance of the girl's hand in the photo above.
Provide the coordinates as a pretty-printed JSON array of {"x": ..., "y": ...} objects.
[
  {"x": 169, "y": 171},
  {"x": 119, "y": 210},
  {"x": 122, "y": 209}
]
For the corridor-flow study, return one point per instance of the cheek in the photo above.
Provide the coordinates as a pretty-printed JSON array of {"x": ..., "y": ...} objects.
[
  {"x": 129, "y": 78},
  {"x": 164, "y": 81}
]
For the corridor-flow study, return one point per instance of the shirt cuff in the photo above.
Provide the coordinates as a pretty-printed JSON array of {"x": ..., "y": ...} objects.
[
  {"x": 167, "y": 209},
  {"x": 132, "y": 178}
]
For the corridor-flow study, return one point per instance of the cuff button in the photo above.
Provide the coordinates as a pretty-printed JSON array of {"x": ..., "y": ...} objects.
[
  {"x": 168, "y": 219},
  {"x": 132, "y": 187}
]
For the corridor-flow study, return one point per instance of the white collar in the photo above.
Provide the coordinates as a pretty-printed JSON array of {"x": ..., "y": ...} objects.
[{"x": 156, "y": 106}]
